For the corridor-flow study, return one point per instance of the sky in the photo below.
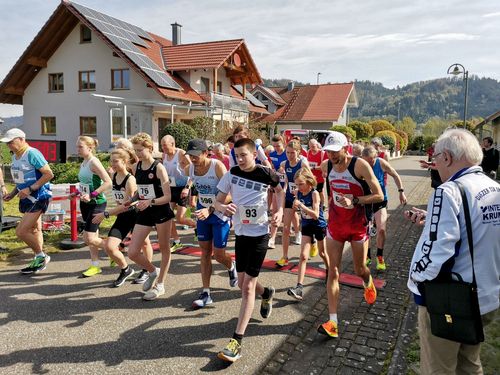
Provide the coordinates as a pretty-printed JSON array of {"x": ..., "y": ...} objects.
[{"x": 389, "y": 41}]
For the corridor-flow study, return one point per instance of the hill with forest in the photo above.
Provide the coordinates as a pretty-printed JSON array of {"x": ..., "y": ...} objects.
[{"x": 423, "y": 100}]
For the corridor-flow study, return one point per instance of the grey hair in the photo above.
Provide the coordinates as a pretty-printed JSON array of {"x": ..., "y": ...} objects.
[
  {"x": 357, "y": 149},
  {"x": 123, "y": 143},
  {"x": 369, "y": 152},
  {"x": 461, "y": 144},
  {"x": 377, "y": 141},
  {"x": 218, "y": 146},
  {"x": 168, "y": 138}
]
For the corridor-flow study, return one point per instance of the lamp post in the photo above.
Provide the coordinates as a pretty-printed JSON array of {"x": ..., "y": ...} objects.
[
  {"x": 456, "y": 69},
  {"x": 317, "y": 78}
]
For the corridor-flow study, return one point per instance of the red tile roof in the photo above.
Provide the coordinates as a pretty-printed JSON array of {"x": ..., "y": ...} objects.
[
  {"x": 271, "y": 94},
  {"x": 199, "y": 55},
  {"x": 251, "y": 107},
  {"x": 312, "y": 103}
]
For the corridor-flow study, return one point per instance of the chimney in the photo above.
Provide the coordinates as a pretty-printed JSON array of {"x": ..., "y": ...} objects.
[
  {"x": 176, "y": 34},
  {"x": 291, "y": 86}
]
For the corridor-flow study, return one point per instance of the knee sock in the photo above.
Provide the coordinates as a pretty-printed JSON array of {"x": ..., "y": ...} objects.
[{"x": 380, "y": 252}]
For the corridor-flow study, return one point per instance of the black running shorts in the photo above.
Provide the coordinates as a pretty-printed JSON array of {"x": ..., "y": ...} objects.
[
  {"x": 155, "y": 215},
  {"x": 250, "y": 253}
]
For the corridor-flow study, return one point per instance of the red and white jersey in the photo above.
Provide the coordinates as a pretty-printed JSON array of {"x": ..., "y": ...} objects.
[
  {"x": 315, "y": 162},
  {"x": 346, "y": 183}
]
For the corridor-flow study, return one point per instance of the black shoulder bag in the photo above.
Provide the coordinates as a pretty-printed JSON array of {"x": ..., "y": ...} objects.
[{"x": 453, "y": 305}]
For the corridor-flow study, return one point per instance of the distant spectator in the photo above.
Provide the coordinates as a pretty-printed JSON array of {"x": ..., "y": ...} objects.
[
  {"x": 490, "y": 158},
  {"x": 357, "y": 149},
  {"x": 218, "y": 152}
]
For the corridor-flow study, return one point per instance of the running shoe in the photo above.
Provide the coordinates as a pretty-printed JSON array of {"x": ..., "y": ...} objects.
[
  {"x": 176, "y": 246},
  {"x": 373, "y": 231},
  {"x": 141, "y": 278},
  {"x": 92, "y": 271},
  {"x": 271, "y": 244},
  {"x": 380, "y": 263},
  {"x": 329, "y": 328},
  {"x": 36, "y": 265},
  {"x": 124, "y": 275},
  {"x": 282, "y": 262},
  {"x": 148, "y": 284},
  {"x": 295, "y": 292},
  {"x": 298, "y": 238},
  {"x": 314, "y": 250},
  {"x": 266, "y": 306},
  {"x": 112, "y": 263},
  {"x": 202, "y": 300},
  {"x": 368, "y": 262},
  {"x": 370, "y": 292},
  {"x": 233, "y": 275},
  {"x": 154, "y": 293},
  {"x": 232, "y": 352}
]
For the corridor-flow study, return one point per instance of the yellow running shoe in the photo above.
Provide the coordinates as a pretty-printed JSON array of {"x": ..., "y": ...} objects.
[
  {"x": 91, "y": 271},
  {"x": 329, "y": 328},
  {"x": 370, "y": 293},
  {"x": 314, "y": 250},
  {"x": 282, "y": 262},
  {"x": 380, "y": 263},
  {"x": 232, "y": 352}
]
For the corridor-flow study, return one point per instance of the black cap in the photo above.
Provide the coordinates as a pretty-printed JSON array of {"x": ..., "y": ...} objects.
[{"x": 196, "y": 147}]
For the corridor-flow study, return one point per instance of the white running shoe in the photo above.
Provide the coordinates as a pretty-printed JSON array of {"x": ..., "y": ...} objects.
[
  {"x": 154, "y": 293},
  {"x": 298, "y": 239}
]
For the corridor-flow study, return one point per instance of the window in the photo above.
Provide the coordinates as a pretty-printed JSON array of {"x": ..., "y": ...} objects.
[
  {"x": 120, "y": 79},
  {"x": 118, "y": 125},
  {"x": 204, "y": 85},
  {"x": 87, "y": 80},
  {"x": 85, "y": 34},
  {"x": 48, "y": 126},
  {"x": 56, "y": 82},
  {"x": 219, "y": 86},
  {"x": 88, "y": 126}
]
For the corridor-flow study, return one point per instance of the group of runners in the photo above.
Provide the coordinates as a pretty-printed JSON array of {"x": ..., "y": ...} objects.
[{"x": 325, "y": 196}]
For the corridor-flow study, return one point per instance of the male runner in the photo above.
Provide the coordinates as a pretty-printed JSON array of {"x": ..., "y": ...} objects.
[
  {"x": 241, "y": 132},
  {"x": 352, "y": 185},
  {"x": 248, "y": 184}
]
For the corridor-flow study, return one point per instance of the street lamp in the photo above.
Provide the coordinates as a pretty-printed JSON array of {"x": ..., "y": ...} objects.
[
  {"x": 457, "y": 69},
  {"x": 317, "y": 78}
]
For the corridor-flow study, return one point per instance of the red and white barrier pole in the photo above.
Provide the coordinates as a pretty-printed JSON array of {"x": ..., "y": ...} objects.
[{"x": 73, "y": 242}]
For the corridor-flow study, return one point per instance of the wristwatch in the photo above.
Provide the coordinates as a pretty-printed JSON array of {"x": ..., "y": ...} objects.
[
  {"x": 401, "y": 190},
  {"x": 152, "y": 202},
  {"x": 106, "y": 214},
  {"x": 355, "y": 200}
]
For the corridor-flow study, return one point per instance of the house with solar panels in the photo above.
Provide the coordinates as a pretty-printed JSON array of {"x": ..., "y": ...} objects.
[{"x": 86, "y": 73}]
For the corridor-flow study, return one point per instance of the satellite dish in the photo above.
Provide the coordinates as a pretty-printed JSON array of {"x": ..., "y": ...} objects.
[{"x": 237, "y": 60}]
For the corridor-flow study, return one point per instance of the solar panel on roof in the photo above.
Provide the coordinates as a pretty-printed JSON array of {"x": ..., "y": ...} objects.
[{"x": 123, "y": 35}]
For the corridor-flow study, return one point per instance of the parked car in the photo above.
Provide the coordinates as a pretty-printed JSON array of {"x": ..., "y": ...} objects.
[{"x": 306, "y": 135}]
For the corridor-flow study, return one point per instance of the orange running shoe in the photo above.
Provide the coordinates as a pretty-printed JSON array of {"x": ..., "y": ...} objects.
[
  {"x": 370, "y": 292},
  {"x": 329, "y": 328}
]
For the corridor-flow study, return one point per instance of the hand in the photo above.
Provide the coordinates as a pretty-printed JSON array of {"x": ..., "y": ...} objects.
[
  {"x": 202, "y": 214},
  {"x": 344, "y": 201},
  {"x": 229, "y": 209},
  {"x": 143, "y": 204},
  {"x": 23, "y": 193},
  {"x": 276, "y": 219},
  {"x": 98, "y": 218},
  {"x": 9, "y": 196},
  {"x": 4, "y": 191},
  {"x": 416, "y": 215},
  {"x": 296, "y": 204},
  {"x": 402, "y": 198},
  {"x": 184, "y": 193},
  {"x": 85, "y": 198}
]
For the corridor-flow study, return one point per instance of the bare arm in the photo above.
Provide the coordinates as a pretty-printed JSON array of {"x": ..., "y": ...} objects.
[
  {"x": 98, "y": 169},
  {"x": 386, "y": 167},
  {"x": 312, "y": 212},
  {"x": 365, "y": 171},
  {"x": 46, "y": 176},
  {"x": 184, "y": 159}
]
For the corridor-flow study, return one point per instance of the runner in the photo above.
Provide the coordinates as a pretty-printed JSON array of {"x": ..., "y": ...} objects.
[
  {"x": 175, "y": 161},
  {"x": 313, "y": 223},
  {"x": 378, "y": 211},
  {"x": 241, "y": 132},
  {"x": 315, "y": 157},
  {"x": 248, "y": 184},
  {"x": 124, "y": 187},
  {"x": 276, "y": 158},
  {"x": 219, "y": 153},
  {"x": 31, "y": 174},
  {"x": 3, "y": 189},
  {"x": 212, "y": 226},
  {"x": 94, "y": 181},
  {"x": 290, "y": 167},
  {"x": 153, "y": 192},
  {"x": 351, "y": 179}
]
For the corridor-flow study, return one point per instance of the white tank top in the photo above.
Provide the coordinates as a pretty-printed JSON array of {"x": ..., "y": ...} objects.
[
  {"x": 206, "y": 186},
  {"x": 175, "y": 173}
]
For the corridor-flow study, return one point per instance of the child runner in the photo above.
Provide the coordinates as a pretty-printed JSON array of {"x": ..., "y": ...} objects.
[
  {"x": 153, "y": 192},
  {"x": 290, "y": 166},
  {"x": 31, "y": 174},
  {"x": 212, "y": 226},
  {"x": 308, "y": 201},
  {"x": 94, "y": 181},
  {"x": 248, "y": 184}
]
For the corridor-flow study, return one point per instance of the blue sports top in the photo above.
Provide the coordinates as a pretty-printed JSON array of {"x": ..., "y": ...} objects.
[
  {"x": 290, "y": 175},
  {"x": 307, "y": 220},
  {"x": 25, "y": 172},
  {"x": 379, "y": 173}
]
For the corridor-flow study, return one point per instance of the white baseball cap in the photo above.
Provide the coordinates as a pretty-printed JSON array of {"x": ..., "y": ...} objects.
[
  {"x": 12, "y": 134},
  {"x": 335, "y": 141}
]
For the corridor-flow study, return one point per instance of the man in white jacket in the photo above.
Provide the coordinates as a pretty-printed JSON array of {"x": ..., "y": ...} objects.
[{"x": 444, "y": 240}]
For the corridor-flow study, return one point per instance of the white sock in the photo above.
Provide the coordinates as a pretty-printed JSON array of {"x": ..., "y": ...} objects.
[
  {"x": 160, "y": 286},
  {"x": 155, "y": 272},
  {"x": 333, "y": 317},
  {"x": 40, "y": 255},
  {"x": 232, "y": 266},
  {"x": 177, "y": 241},
  {"x": 95, "y": 263},
  {"x": 206, "y": 290}
]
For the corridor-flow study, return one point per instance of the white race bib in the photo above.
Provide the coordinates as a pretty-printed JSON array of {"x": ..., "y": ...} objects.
[
  {"x": 253, "y": 214},
  {"x": 281, "y": 176},
  {"x": 146, "y": 191},
  {"x": 313, "y": 164},
  {"x": 337, "y": 196},
  {"x": 84, "y": 189},
  {"x": 17, "y": 176},
  {"x": 171, "y": 181},
  {"x": 119, "y": 196},
  {"x": 304, "y": 215},
  {"x": 206, "y": 200},
  {"x": 292, "y": 187}
]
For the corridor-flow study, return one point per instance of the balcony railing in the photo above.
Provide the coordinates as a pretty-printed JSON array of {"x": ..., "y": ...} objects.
[{"x": 225, "y": 102}]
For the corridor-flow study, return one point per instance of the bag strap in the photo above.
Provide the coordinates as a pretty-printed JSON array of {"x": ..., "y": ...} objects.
[{"x": 468, "y": 225}]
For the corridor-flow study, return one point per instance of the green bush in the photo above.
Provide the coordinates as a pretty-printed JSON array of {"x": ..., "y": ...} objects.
[
  {"x": 181, "y": 132},
  {"x": 380, "y": 125},
  {"x": 428, "y": 141},
  {"x": 362, "y": 129},
  {"x": 417, "y": 143},
  {"x": 404, "y": 142},
  {"x": 65, "y": 172},
  {"x": 388, "y": 138},
  {"x": 344, "y": 130}
]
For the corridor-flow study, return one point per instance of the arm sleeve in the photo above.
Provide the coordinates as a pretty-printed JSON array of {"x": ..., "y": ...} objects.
[
  {"x": 224, "y": 184},
  {"x": 36, "y": 158}
]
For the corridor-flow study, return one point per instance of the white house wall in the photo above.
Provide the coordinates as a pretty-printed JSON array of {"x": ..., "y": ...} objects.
[{"x": 70, "y": 58}]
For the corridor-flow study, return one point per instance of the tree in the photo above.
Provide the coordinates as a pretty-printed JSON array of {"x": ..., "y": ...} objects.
[
  {"x": 388, "y": 138},
  {"x": 435, "y": 126},
  {"x": 380, "y": 125},
  {"x": 407, "y": 125},
  {"x": 344, "y": 130},
  {"x": 362, "y": 129},
  {"x": 404, "y": 139},
  {"x": 181, "y": 132}
]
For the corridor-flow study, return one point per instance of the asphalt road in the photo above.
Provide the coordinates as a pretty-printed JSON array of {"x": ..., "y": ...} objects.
[{"x": 56, "y": 322}]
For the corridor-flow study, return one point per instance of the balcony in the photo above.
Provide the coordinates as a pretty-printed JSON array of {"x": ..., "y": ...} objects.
[{"x": 225, "y": 102}]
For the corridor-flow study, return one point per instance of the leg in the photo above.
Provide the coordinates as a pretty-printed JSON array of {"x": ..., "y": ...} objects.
[
  {"x": 305, "y": 247},
  {"x": 111, "y": 247},
  {"x": 163, "y": 231},
  {"x": 174, "y": 233},
  {"x": 323, "y": 254},
  {"x": 248, "y": 287},
  {"x": 29, "y": 230},
  {"x": 141, "y": 233},
  {"x": 94, "y": 242},
  {"x": 147, "y": 249},
  {"x": 358, "y": 258},
  {"x": 287, "y": 220},
  {"x": 180, "y": 217},
  {"x": 381, "y": 221},
  {"x": 206, "y": 263},
  {"x": 334, "y": 251}
]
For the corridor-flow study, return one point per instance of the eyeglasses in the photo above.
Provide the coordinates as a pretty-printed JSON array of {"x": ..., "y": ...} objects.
[{"x": 436, "y": 155}]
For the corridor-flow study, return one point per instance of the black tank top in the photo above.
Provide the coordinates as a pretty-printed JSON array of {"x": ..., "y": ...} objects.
[
  {"x": 121, "y": 186},
  {"x": 148, "y": 177}
]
